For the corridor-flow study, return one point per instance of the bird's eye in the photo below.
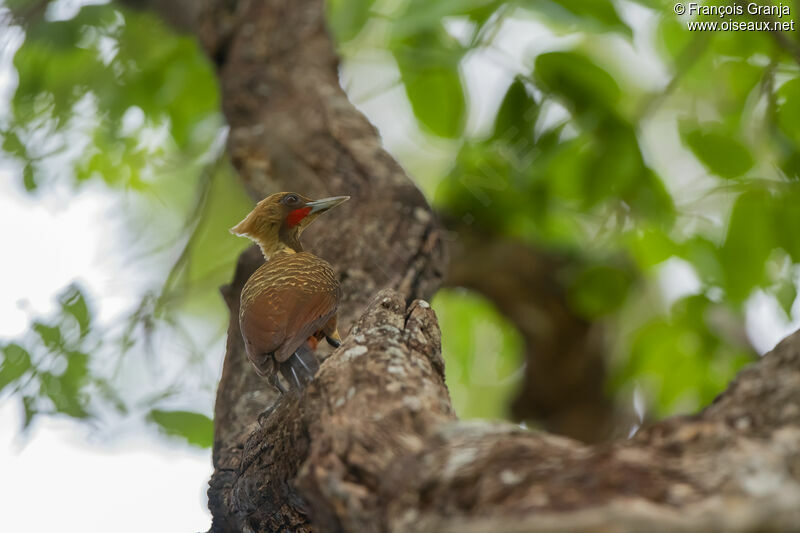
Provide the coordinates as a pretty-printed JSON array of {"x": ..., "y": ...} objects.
[{"x": 290, "y": 199}]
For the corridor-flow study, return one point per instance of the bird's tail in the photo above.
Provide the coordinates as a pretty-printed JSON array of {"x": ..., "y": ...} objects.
[{"x": 300, "y": 368}]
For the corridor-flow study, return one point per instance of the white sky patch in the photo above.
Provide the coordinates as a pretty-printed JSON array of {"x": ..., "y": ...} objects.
[
  {"x": 488, "y": 80},
  {"x": 137, "y": 483},
  {"x": 677, "y": 279},
  {"x": 11, "y": 39},
  {"x": 642, "y": 61},
  {"x": 67, "y": 9},
  {"x": 767, "y": 323},
  {"x": 372, "y": 81},
  {"x": 48, "y": 241},
  {"x": 460, "y": 28}
]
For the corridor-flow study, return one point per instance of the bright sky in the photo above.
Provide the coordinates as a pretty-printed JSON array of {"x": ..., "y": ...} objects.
[
  {"x": 62, "y": 477},
  {"x": 60, "y": 480}
]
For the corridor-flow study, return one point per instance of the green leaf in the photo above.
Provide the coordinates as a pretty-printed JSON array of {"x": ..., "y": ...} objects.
[
  {"x": 482, "y": 352},
  {"x": 650, "y": 200},
  {"x": 63, "y": 402},
  {"x": 517, "y": 116},
  {"x": 680, "y": 362},
  {"x": 787, "y": 219},
  {"x": 482, "y": 13},
  {"x": 580, "y": 83},
  {"x": 29, "y": 405},
  {"x": 615, "y": 164},
  {"x": 478, "y": 185},
  {"x": 13, "y": 145},
  {"x": 347, "y": 17},
  {"x": 750, "y": 239},
  {"x": 734, "y": 81},
  {"x": 437, "y": 98},
  {"x": 16, "y": 361},
  {"x": 673, "y": 39},
  {"x": 422, "y": 16},
  {"x": 718, "y": 151},
  {"x": 786, "y": 293},
  {"x": 705, "y": 258},
  {"x": 599, "y": 290},
  {"x": 77, "y": 372},
  {"x": 50, "y": 335},
  {"x": 428, "y": 65},
  {"x": 651, "y": 246},
  {"x": 197, "y": 429},
  {"x": 74, "y": 304},
  {"x": 65, "y": 391},
  {"x": 788, "y": 109},
  {"x": 564, "y": 169},
  {"x": 165, "y": 75},
  {"x": 28, "y": 178},
  {"x": 65, "y": 34},
  {"x": 790, "y": 163},
  {"x": 58, "y": 76},
  {"x": 585, "y": 14}
]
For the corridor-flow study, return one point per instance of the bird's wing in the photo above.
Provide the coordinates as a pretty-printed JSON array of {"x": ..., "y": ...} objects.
[
  {"x": 261, "y": 319},
  {"x": 285, "y": 302},
  {"x": 315, "y": 297},
  {"x": 263, "y": 329},
  {"x": 310, "y": 311}
]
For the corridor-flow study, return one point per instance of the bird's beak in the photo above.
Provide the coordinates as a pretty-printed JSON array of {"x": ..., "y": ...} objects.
[{"x": 322, "y": 205}]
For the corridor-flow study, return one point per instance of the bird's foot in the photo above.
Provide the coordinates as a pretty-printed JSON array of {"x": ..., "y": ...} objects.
[
  {"x": 313, "y": 342},
  {"x": 300, "y": 368},
  {"x": 333, "y": 341},
  {"x": 263, "y": 415},
  {"x": 276, "y": 382}
]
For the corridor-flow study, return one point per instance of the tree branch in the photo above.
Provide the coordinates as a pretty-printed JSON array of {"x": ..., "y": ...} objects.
[{"x": 373, "y": 445}]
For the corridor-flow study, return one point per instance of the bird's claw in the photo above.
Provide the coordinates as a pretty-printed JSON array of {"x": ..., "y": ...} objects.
[
  {"x": 276, "y": 382},
  {"x": 263, "y": 415},
  {"x": 333, "y": 342},
  {"x": 299, "y": 370}
]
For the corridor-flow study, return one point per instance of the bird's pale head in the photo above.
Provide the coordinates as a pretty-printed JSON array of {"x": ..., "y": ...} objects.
[{"x": 277, "y": 221}]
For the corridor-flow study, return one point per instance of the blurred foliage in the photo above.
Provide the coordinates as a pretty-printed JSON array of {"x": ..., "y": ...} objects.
[
  {"x": 484, "y": 359},
  {"x": 50, "y": 371},
  {"x": 116, "y": 97},
  {"x": 569, "y": 164},
  {"x": 195, "y": 428}
]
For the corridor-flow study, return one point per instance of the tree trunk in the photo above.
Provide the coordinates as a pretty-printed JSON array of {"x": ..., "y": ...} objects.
[{"x": 373, "y": 444}]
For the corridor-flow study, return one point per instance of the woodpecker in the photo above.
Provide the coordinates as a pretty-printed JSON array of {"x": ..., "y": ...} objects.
[{"x": 290, "y": 302}]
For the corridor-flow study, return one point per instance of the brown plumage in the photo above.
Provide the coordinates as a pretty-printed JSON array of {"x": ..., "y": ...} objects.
[{"x": 290, "y": 301}]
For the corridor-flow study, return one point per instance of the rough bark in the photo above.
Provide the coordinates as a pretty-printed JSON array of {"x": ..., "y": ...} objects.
[{"x": 372, "y": 444}]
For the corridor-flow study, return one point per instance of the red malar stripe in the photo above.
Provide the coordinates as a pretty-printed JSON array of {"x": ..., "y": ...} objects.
[{"x": 296, "y": 216}]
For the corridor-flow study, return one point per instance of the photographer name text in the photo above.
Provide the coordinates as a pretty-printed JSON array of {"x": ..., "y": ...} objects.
[{"x": 769, "y": 17}]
